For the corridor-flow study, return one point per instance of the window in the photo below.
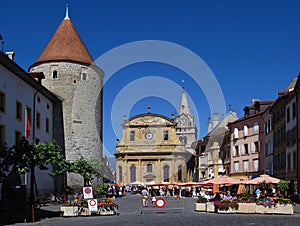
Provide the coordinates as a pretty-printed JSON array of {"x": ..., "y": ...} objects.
[
  {"x": 38, "y": 120},
  {"x": 255, "y": 164},
  {"x": 84, "y": 76},
  {"x": 246, "y": 148},
  {"x": 246, "y": 166},
  {"x": 256, "y": 128},
  {"x": 166, "y": 173},
  {"x": 132, "y": 135},
  {"x": 236, "y": 167},
  {"x": 179, "y": 173},
  {"x": 166, "y": 135},
  {"x": 236, "y": 150},
  {"x": 47, "y": 125},
  {"x": 294, "y": 110},
  {"x": 2, "y": 134},
  {"x": 28, "y": 122},
  {"x": 19, "y": 110},
  {"x": 18, "y": 136},
  {"x": 289, "y": 162},
  {"x": 48, "y": 106},
  {"x": 288, "y": 114},
  {"x": 294, "y": 160},
  {"x": 245, "y": 130},
  {"x": 54, "y": 74},
  {"x": 149, "y": 168},
  {"x": 235, "y": 133},
  {"x": 2, "y": 102},
  {"x": 256, "y": 146},
  {"x": 132, "y": 173},
  {"x": 120, "y": 174}
]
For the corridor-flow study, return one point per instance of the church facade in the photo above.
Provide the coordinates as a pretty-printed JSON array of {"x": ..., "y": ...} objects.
[{"x": 153, "y": 149}]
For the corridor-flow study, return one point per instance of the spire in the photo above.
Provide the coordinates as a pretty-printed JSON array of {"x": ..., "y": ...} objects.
[
  {"x": 65, "y": 45},
  {"x": 67, "y": 13},
  {"x": 184, "y": 107}
]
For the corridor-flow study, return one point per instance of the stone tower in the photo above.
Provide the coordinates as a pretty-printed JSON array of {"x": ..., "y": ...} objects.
[
  {"x": 186, "y": 129},
  {"x": 71, "y": 74}
]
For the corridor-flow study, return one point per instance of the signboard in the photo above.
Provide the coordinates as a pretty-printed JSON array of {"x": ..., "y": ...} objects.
[
  {"x": 160, "y": 203},
  {"x": 87, "y": 192},
  {"x": 93, "y": 205}
]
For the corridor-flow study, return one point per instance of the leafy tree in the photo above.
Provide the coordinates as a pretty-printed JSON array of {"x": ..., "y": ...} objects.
[
  {"x": 27, "y": 157},
  {"x": 86, "y": 168},
  {"x": 5, "y": 153}
]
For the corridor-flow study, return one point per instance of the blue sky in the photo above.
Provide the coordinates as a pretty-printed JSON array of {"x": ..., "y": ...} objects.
[{"x": 251, "y": 47}]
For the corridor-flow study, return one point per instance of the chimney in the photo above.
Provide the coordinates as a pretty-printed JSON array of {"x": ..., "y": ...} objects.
[
  {"x": 173, "y": 116},
  {"x": 125, "y": 117},
  {"x": 11, "y": 55},
  {"x": 215, "y": 119},
  {"x": 149, "y": 108},
  {"x": 208, "y": 125}
]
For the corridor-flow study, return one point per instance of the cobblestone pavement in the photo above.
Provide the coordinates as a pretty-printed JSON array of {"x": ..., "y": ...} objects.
[{"x": 130, "y": 215}]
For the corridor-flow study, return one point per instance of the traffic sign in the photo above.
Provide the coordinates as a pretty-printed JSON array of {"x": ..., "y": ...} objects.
[
  {"x": 93, "y": 205},
  {"x": 160, "y": 203},
  {"x": 87, "y": 192}
]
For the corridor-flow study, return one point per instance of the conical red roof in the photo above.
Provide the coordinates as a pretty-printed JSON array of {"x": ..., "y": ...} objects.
[{"x": 65, "y": 45}]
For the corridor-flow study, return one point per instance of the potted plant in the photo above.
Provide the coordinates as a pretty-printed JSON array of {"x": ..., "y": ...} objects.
[
  {"x": 284, "y": 206},
  {"x": 200, "y": 204},
  {"x": 102, "y": 190},
  {"x": 226, "y": 206},
  {"x": 283, "y": 186},
  {"x": 246, "y": 203}
]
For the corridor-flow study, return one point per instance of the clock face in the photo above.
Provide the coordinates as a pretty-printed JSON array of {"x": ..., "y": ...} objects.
[
  {"x": 148, "y": 136},
  {"x": 183, "y": 121}
]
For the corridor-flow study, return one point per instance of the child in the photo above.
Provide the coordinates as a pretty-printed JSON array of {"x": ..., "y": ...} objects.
[{"x": 153, "y": 201}]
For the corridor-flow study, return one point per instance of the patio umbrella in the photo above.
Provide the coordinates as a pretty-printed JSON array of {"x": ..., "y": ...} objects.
[
  {"x": 264, "y": 178},
  {"x": 222, "y": 180},
  {"x": 138, "y": 183}
]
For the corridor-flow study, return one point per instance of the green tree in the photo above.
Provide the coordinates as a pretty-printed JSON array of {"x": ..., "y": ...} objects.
[
  {"x": 27, "y": 157},
  {"x": 88, "y": 169}
]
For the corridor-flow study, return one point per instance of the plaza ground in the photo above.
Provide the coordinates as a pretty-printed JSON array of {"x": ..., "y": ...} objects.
[{"x": 130, "y": 215}]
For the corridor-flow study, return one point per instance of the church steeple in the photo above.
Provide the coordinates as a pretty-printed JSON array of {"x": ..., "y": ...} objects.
[{"x": 184, "y": 107}]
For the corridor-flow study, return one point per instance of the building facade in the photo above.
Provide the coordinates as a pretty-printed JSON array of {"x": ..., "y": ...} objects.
[
  {"x": 246, "y": 139},
  {"x": 71, "y": 74},
  {"x": 150, "y": 150},
  {"x": 27, "y": 109},
  {"x": 213, "y": 150}
]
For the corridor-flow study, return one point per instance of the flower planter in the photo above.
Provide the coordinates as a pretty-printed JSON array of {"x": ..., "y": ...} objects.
[
  {"x": 200, "y": 207},
  {"x": 210, "y": 207},
  {"x": 284, "y": 209},
  {"x": 246, "y": 208},
  {"x": 230, "y": 210},
  {"x": 264, "y": 209},
  {"x": 69, "y": 211},
  {"x": 85, "y": 212}
]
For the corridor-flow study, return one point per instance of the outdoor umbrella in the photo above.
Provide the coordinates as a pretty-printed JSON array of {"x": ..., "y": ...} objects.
[
  {"x": 138, "y": 183},
  {"x": 264, "y": 178},
  {"x": 222, "y": 180}
]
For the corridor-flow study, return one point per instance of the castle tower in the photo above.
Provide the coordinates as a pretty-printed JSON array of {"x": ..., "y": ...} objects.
[
  {"x": 71, "y": 74},
  {"x": 186, "y": 129}
]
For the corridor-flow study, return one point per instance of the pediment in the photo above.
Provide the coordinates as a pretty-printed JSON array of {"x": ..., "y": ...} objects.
[{"x": 149, "y": 120}]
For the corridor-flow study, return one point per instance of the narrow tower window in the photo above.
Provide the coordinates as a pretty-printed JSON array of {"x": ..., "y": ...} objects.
[{"x": 54, "y": 74}]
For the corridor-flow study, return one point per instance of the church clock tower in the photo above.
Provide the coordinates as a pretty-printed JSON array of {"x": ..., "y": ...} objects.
[{"x": 186, "y": 129}]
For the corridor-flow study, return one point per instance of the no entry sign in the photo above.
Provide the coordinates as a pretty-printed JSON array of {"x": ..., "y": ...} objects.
[
  {"x": 93, "y": 207},
  {"x": 160, "y": 203}
]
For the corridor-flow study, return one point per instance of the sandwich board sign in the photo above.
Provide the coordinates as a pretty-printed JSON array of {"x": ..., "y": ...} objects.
[
  {"x": 93, "y": 207},
  {"x": 87, "y": 192}
]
